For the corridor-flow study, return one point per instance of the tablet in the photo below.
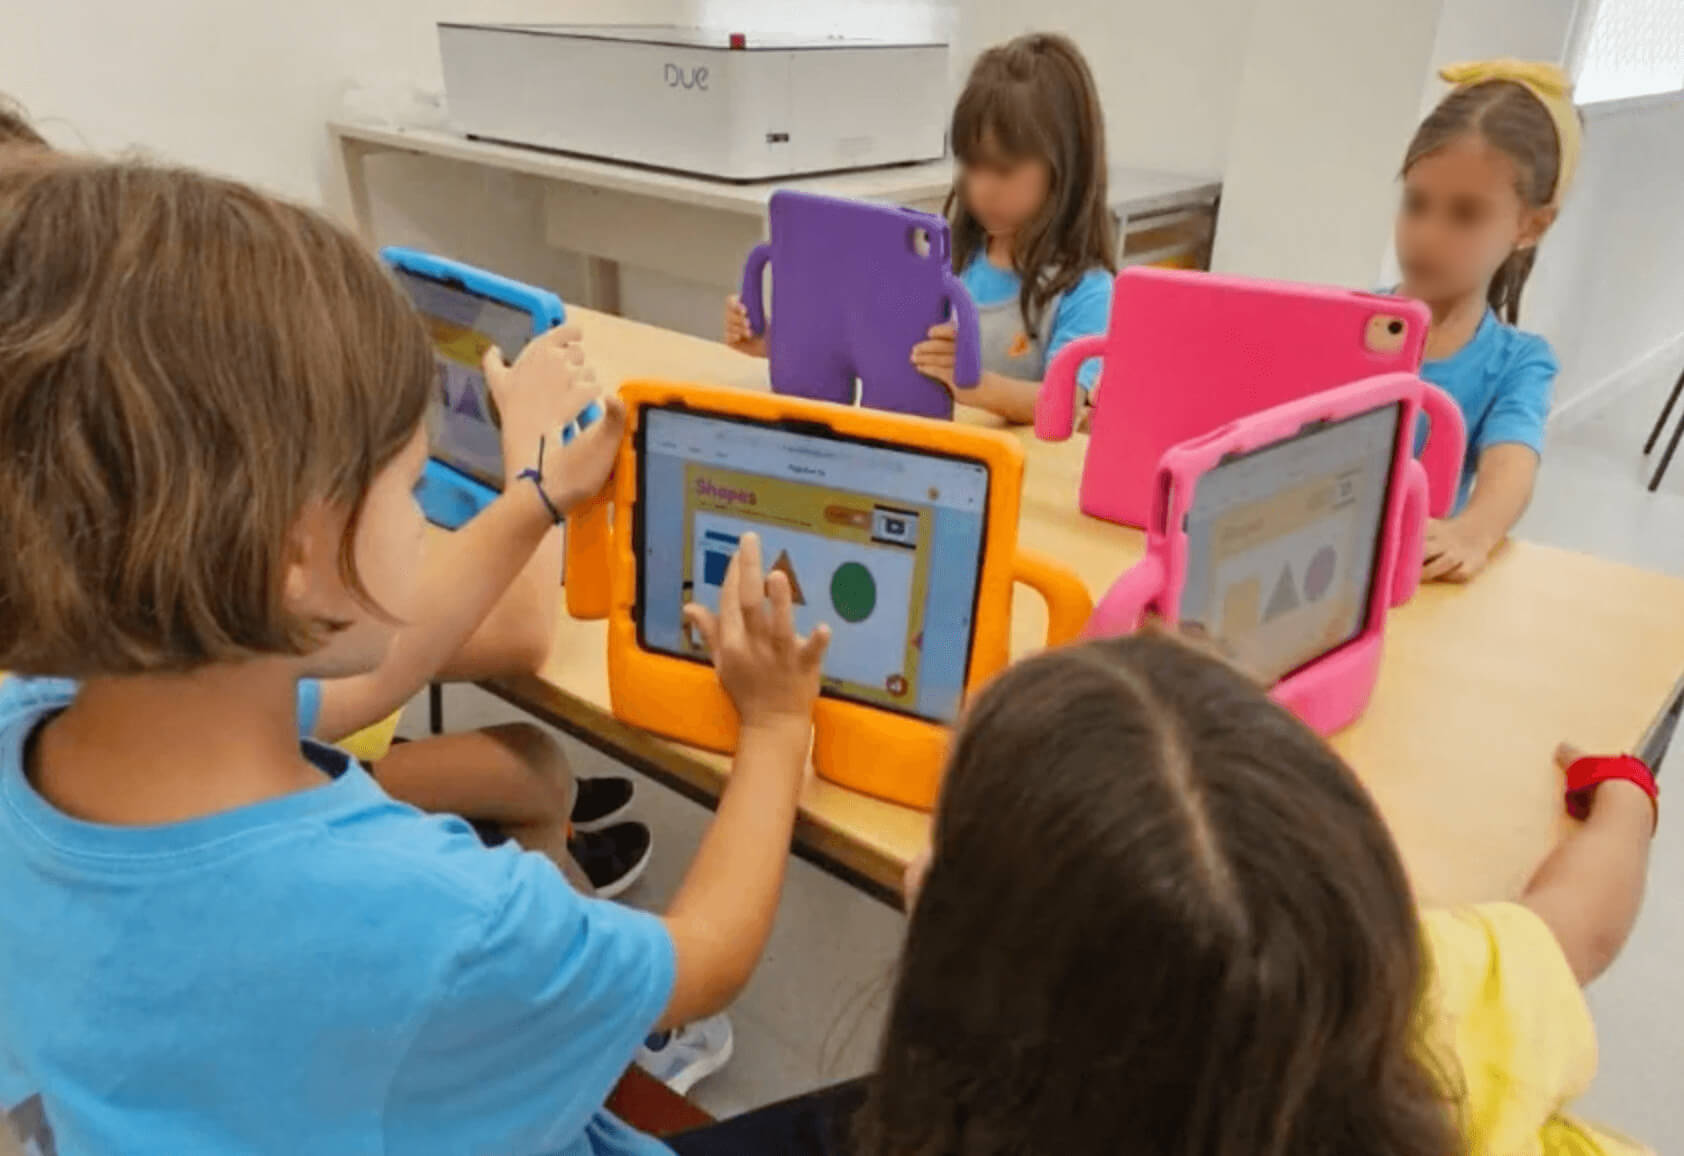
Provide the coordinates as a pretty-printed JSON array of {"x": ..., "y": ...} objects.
[
  {"x": 1283, "y": 543},
  {"x": 1186, "y": 353},
  {"x": 463, "y": 325},
  {"x": 855, "y": 285},
  {"x": 467, "y": 311},
  {"x": 881, "y": 542},
  {"x": 1289, "y": 534},
  {"x": 899, "y": 533}
]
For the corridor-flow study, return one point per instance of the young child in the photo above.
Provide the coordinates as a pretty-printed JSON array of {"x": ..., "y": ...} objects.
[
  {"x": 1187, "y": 932},
  {"x": 1483, "y": 181},
  {"x": 1033, "y": 236},
  {"x": 221, "y": 939},
  {"x": 511, "y": 781}
]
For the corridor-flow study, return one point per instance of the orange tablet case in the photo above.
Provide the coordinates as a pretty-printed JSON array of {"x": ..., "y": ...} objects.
[{"x": 878, "y": 752}]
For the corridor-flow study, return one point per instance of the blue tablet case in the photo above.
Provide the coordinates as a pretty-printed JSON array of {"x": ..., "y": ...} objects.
[{"x": 449, "y": 497}]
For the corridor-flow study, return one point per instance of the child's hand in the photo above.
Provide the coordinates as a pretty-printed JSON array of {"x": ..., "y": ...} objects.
[
  {"x": 1630, "y": 794},
  {"x": 738, "y": 335},
  {"x": 935, "y": 356},
  {"x": 1454, "y": 553},
  {"x": 770, "y": 672},
  {"x": 544, "y": 391}
]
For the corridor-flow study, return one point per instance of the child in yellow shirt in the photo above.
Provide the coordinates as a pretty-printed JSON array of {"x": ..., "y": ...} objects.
[{"x": 1162, "y": 916}]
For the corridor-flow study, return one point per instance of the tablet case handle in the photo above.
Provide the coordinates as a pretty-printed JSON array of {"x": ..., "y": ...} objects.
[
  {"x": 967, "y": 347},
  {"x": 1131, "y": 596},
  {"x": 1068, "y": 602},
  {"x": 1447, "y": 446},
  {"x": 1411, "y": 535},
  {"x": 1055, "y": 406},
  {"x": 754, "y": 287},
  {"x": 589, "y": 563}
]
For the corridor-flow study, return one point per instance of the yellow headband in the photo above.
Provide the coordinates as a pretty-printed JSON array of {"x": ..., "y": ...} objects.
[{"x": 1554, "y": 91}]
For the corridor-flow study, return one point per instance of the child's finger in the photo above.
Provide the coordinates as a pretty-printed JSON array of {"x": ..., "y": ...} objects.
[
  {"x": 491, "y": 363},
  {"x": 560, "y": 336},
  {"x": 730, "y": 603},
  {"x": 704, "y": 623},
  {"x": 782, "y": 598},
  {"x": 1438, "y": 567},
  {"x": 812, "y": 650},
  {"x": 1566, "y": 754},
  {"x": 751, "y": 583},
  {"x": 946, "y": 331}
]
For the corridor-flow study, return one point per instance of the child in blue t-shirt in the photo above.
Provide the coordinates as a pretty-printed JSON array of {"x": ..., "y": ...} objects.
[
  {"x": 1483, "y": 180},
  {"x": 218, "y": 937},
  {"x": 1033, "y": 237}
]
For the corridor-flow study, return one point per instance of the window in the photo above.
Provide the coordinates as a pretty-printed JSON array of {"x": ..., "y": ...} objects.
[{"x": 1630, "y": 48}]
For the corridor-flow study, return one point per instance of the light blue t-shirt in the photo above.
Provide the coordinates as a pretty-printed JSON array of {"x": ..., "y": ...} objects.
[
  {"x": 1502, "y": 378},
  {"x": 326, "y": 972},
  {"x": 1083, "y": 311}
]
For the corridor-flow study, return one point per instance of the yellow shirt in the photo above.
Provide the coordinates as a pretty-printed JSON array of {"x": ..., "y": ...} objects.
[
  {"x": 371, "y": 744},
  {"x": 1514, "y": 1033}
]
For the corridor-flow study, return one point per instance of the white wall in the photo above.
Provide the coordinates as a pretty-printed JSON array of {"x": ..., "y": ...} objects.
[
  {"x": 1168, "y": 73},
  {"x": 1609, "y": 286},
  {"x": 245, "y": 89},
  {"x": 1329, "y": 91}
]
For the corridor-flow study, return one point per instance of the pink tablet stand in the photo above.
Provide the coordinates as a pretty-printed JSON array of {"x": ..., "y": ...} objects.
[
  {"x": 851, "y": 296},
  {"x": 1188, "y": 352},
  {"x": 1332, "y": 692}
]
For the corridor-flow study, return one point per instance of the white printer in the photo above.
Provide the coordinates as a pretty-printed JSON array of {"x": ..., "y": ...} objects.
[{"x": 717, "y": 104}]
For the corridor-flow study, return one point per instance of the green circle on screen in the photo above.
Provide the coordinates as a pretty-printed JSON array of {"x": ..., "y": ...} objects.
[{"x": 853, "y": 591}]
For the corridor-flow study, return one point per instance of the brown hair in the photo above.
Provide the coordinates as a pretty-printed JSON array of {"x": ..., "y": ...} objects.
[
  {"x": 1514, "y": 121},
  {"x": 1162, "y": 919},
  {"x": 1035, "y": 98},
  {"x": 15, "y": 128},
  {"x": 185, "y": 365}
]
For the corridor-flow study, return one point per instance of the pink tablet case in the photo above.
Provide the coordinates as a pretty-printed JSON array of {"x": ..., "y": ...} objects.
[
  {"x": 1188, "y": 352},
  {"x": 1331, "y": 692},
  {"x": 851, "y": 296}
]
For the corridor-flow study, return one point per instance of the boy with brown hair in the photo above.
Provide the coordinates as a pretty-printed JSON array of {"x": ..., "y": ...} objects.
[
  {"x": 220, "y": 938},
  {"x": 511, "y": 781}
]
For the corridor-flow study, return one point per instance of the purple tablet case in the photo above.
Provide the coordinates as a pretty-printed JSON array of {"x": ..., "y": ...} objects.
[{"x": 851, "y": 296}]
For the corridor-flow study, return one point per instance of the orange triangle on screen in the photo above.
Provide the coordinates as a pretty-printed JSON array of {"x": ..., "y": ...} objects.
[{"x": 787, "y": 568}]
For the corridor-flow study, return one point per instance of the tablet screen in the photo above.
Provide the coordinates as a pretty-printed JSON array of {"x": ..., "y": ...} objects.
[
  {"x": 1282, "y": 543},
  {"x": 463, "y": 324},
  {"x": 883, "y": 544}
]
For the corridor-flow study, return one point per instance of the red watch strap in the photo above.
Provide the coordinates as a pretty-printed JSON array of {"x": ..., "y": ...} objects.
[{"x": 1586, "y": 774}]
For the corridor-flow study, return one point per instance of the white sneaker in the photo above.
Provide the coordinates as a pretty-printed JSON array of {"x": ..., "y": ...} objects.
[{"x": 684, "y": 1058}]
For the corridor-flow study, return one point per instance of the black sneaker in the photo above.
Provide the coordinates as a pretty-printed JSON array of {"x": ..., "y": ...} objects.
[
  {"x": 598, "y": 803},
  {"x": 613, "y": 859}
]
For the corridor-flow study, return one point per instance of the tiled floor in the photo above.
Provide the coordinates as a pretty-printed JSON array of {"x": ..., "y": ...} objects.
[{"x": 814, "y": 1009}]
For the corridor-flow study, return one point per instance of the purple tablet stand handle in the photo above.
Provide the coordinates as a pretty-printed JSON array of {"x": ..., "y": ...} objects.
[{"x": 852, "y": 298}]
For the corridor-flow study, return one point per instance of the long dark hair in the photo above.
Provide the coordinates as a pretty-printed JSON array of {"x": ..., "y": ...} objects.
[
  {"x": 1162, "y": 919},
  {"x": 1511, "y": 119},
  {"x": 1035, "y": 98}
]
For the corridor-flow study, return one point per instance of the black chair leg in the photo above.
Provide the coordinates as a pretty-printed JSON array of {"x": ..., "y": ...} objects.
[
  {"x": 435, "y": 705},
  {"x": 1666, "y": 458},
  {"x": 1666, "y": 412}
]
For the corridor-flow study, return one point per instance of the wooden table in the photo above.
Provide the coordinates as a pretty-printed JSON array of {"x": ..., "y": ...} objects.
[
  {"x": 699, "y": 230},
  {"x": 1478, "y": 683}
]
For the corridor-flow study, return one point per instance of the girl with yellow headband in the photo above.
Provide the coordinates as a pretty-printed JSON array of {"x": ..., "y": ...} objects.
[{"x": 1483, "y": 181}]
